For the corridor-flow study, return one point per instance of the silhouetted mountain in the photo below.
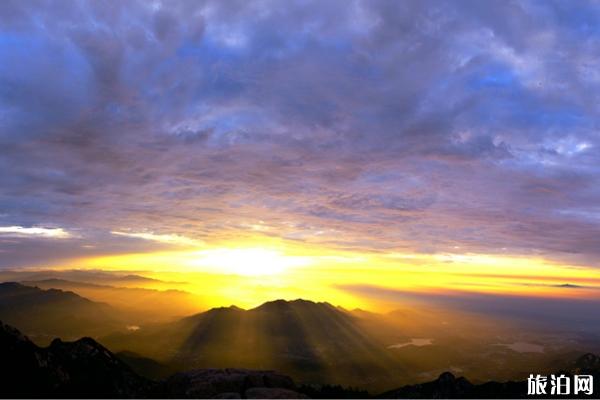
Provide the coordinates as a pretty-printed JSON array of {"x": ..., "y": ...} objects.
[
  {"x": 586, "y": 364},
  {"x": 444, "y": 387},
  {"x": 132, "y": 301},
  {"x": 85, "y": 369},
  {"x": 447, "y": 386},
  {"x": 113, "y": 278},
  {"x": 82, "y": 368},
  {"x": 316, "y": 342},
  {"x": 45, "y": 314}
]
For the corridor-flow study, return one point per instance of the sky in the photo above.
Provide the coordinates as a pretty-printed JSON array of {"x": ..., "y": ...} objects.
[{"x": 430, "y": 136}]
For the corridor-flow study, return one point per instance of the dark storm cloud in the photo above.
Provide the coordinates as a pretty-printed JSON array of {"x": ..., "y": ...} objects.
[{"x": 376, "y": 125}]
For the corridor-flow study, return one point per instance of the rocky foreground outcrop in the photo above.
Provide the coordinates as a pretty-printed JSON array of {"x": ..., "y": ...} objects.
[
  {"x": 447, "y": 386},
  {"x": 82, "y": 368},
  {"x": 228, "y": 383},
  {"x": 86, "y": 369}
]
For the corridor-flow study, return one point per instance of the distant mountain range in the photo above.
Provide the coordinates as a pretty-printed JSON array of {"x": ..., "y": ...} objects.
[
  {"x": 133, "y": 301},
  {"x": 84, "y": 368},
  {"x": 54, "y": 307},
  {"x": 112, "y": 278},
  {"x": 130, "y": 293},
  {"x": 46, "y": 314}
]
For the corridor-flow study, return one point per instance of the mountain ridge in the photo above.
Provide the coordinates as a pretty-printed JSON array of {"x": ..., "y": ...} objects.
[
  {"x": 132, "y": 302},
  {"x": 65, "y": 369},
  {"x": 85, "y": 368},
  {"x": 49, "y": 313},
  {"x": 315, "y": 341}
]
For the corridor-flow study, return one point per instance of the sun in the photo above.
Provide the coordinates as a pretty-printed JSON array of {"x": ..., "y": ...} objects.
[{"x": 247, "y": 261}]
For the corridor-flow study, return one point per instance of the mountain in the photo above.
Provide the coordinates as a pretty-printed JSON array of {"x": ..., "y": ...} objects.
[
  {"x": 315, "y": 342},
  {"x": 320, "y": 343},
  {"x": 46, "y": 314},
  {"x": 82, "y": 368},
  {"x": 587, "y": 364},
  {"x": 86, "y": 369},
  {"x": 112, "y": 278},
  {"x": 132, "y": 301},
  {"x": 447, "y": 386}
]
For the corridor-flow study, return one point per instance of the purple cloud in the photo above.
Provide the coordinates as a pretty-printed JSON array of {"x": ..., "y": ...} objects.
[{"x": 375, "y": 125}]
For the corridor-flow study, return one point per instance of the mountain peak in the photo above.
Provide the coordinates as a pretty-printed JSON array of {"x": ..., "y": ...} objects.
[
  {"x": 8, "y": 332},
  {"x": 281, "y": 303},
  {"x": 21, "y": 288},
  {"x": 11, "y": 285},
  {"x": 226, "y": 308},
  {"x": 446, "y": 386},
  {"x": 588, "y": 362}
]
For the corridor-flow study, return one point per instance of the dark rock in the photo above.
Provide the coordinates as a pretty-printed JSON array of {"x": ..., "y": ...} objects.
[
  {"x": 447, "y": 386},
  {"x": 588, "y": 364},
  {"x": 272, "y": 393},
  {"x": 225, "y": 383},
  {"x": 82, "y": 368},
  {"x": 316, "y": 391}
]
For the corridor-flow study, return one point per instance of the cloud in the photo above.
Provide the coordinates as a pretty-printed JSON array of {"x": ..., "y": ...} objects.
[
  {"x": 369, "y": 125},
  {"x": 161, "y": 238},
  {"x": 22, "y": 232}
]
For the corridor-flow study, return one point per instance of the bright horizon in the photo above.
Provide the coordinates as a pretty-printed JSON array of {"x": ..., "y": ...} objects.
[{"x": 250, "y": 275}]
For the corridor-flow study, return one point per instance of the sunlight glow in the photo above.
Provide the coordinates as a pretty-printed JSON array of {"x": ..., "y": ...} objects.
[
  {"x": 248, "y": 273},
  {"x": 247, "y": 261}
]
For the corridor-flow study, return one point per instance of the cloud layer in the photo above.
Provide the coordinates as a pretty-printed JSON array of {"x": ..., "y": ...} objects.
[{"x": 376, "y": 125}]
